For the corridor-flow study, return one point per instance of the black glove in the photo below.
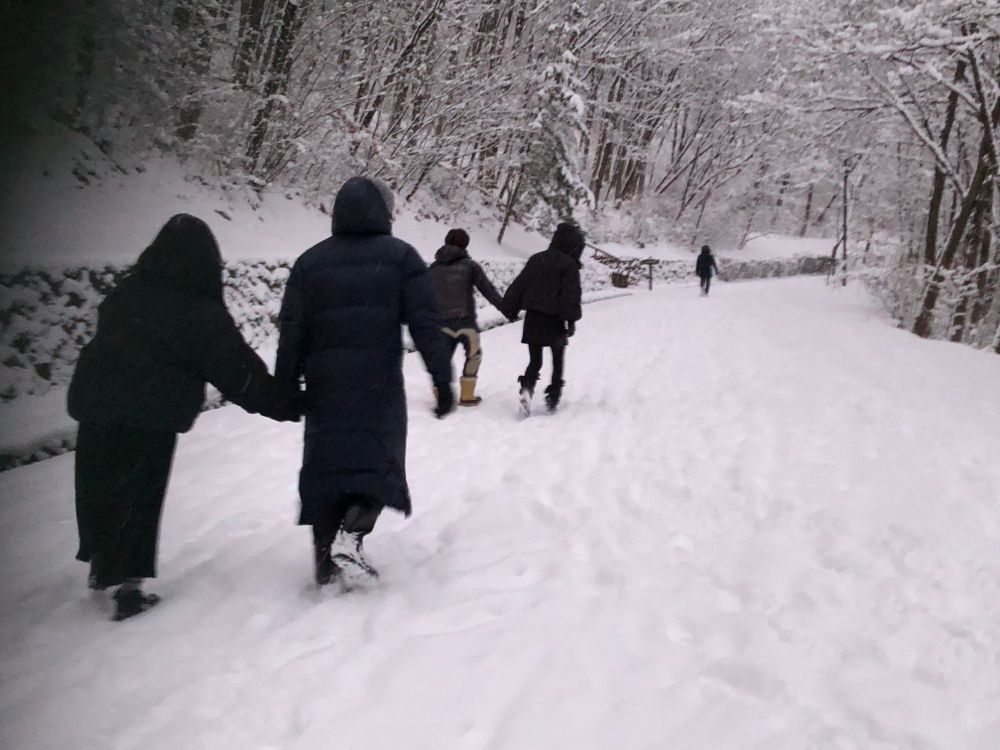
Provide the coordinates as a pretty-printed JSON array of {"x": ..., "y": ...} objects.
[
  {"x": 446, "y": 400},
  {"x": 570, "y": 329},
  {"x": 513, "y": 318},
  {"x": 287, "y": 410}
]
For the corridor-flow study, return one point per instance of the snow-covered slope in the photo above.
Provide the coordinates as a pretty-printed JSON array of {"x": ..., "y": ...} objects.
[
  {"x": 71, "y": 206},
  {"x": 57, "y": 216},
  {"x": 764, "y": 519}
]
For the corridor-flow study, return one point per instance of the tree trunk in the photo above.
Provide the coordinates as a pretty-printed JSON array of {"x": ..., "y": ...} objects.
[
  {"x": 191, "y": 22},
  {"x": 277, "y": 81},
  {"x": 252, "y": 14},
  {"x": 937, "y": 192},
  {"x": 924, "y": 322},
  {"x": 809, "y": 203},
  {"x": 508, "y": 213}
]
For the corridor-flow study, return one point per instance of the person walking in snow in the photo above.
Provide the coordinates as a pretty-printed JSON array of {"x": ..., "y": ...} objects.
[
  {"x": 162, "y": 334},
  {"x": 548, "y": 289},
  {"x": 456, "y": 276},
  {"x": 704, "y": 266},
  {"x": 341, "y": 317}
]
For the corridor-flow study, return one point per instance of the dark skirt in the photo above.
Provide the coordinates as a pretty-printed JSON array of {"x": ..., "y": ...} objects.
[
  {"x": 543, "y": 329},
  {"x": 121, "y": 480}
]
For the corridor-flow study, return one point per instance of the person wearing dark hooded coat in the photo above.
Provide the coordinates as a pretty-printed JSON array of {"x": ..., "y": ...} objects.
[
  {"x": 341, "y": 317},
  {"x": 456, "y": 276},
  {"x": 162, "y": 334},
  {"x": 703, "y": 267},
  {"x": 548, "y": 289}
]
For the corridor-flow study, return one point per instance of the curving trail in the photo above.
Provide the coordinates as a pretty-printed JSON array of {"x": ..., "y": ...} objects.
[{"x": 766, "y": 519}]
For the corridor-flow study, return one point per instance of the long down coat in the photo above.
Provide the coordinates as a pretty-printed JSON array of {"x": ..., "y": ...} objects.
[{"x": 341, "y": 317}]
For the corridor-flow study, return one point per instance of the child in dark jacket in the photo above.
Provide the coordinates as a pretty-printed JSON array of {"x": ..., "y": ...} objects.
[
  {"x": 455, "y": 277},
  {"x": 162, "y": 334},
  {"x": 704, "y": 266},
  {"x": 548, "y": 289}
]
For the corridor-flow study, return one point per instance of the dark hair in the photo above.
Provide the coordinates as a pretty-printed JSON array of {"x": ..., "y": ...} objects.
[
  {"x": 457, "y": 238},
  {"x": 706, "y": 249},
  {"x": 186, "y": 255}
]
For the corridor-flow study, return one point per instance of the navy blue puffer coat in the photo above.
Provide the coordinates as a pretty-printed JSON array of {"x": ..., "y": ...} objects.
[{"x": 341, "y": 318}]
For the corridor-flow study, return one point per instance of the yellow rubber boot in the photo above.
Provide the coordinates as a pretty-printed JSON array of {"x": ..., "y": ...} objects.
[{"x": 468, "y": 392}]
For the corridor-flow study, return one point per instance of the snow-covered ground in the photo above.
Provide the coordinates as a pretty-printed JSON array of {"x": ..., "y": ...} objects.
[{"x": 763, "y": 519}]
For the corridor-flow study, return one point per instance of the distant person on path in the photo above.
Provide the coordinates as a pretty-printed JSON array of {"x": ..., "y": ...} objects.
[
  {"x": 456, "y": 276},
  {"x": 548, "y": 288},
  {"x": 162, "y": 334},
  {"x": 341, "y": 317},
  {"x": 704, "y": 266}
]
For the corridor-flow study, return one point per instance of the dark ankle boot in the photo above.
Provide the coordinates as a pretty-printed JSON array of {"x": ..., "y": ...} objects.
[
  {"x": 552, "y": 395},
  {"x": 131, "y": 600}
]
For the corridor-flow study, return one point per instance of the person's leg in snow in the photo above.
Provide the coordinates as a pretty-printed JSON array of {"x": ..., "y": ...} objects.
[
  {"x": 324, "y": 531},
  {"x": 529, "y": 380},
  {"x": 708, "y": 284},
  {"x": 470, "y": 372},
  {"x": 553, "y": 393},
  {"x": 338, "y": 540},
  {"x": 121, "y": 481}
]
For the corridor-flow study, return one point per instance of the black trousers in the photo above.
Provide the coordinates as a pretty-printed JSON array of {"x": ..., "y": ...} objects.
[
  {"x": 355, "y": 514},
  {"x": 535, "y": 364},
  {"x": 706, "y": 282},
  {"x": 121, "y": 480}
]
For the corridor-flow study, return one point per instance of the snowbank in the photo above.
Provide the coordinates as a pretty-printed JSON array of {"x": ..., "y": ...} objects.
[
  {"x": 100, "y": 213},
  {"x": 762, "y": 519}
]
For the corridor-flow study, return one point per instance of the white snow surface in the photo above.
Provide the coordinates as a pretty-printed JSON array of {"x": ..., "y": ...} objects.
[{"x": 762, "y": 519}]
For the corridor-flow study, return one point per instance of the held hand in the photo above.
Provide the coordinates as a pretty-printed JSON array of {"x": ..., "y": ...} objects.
[
  {"x": 570, "y": 329},
  {"x": 445, "y": 401}
]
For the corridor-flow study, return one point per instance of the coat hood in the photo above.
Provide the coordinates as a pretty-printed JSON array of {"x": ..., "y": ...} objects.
[
  {"x": 185, "y": 255},
  {"x": 361, "y": 209},
  {"x": 450, "y": 254},
  {"x": 568, "y": 239}
]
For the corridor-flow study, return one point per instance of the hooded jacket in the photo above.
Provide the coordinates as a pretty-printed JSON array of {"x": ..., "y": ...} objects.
[
  {"x": 549, "y": 283},
  {"x": 705, "y": 263},
  {"x": 162, "y": 334},
  {"x": 455, "y": 277},
  {"x": 341, "y": 317}
]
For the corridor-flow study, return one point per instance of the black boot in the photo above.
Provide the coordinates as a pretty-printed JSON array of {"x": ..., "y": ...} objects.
[
  {"x": 95, "y": 579},
  {"x": 131, "y": 600},
  {"x": 325, "y": 569},
  {"x": 552, "y": 395}
]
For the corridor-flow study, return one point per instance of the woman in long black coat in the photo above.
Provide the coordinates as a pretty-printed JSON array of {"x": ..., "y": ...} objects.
[
  {"x": 162, "y": 334},
  {"x": 345, "y": 303},
  {"x": 548, "y": 289}
]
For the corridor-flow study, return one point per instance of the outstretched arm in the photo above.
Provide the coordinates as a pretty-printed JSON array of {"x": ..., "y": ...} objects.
[
  {"x": 485, "y": 286},
  {"x": 419, "y": 312},
  {"x": 510, "y": 305},
  {"x": 228, "y": 363}
]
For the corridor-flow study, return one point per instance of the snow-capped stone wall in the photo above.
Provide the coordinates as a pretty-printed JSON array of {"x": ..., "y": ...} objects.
[{"x": 46, "y": 317}]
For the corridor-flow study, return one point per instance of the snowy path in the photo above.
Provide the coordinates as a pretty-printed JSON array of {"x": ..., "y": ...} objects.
[{"x": 766, "y": 519}]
